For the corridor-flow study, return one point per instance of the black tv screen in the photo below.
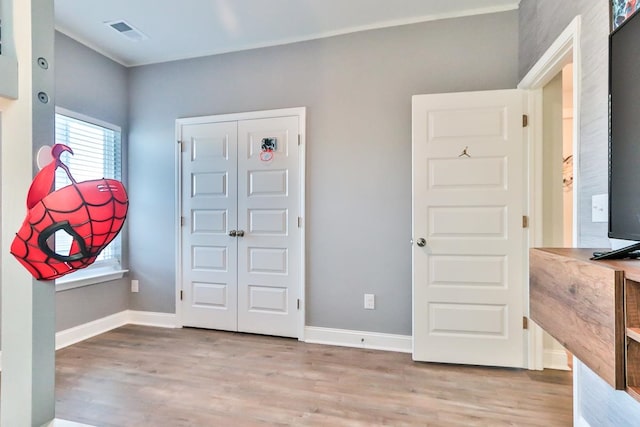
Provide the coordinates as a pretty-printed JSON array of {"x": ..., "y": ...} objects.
[{"x": 624, "y": 130}]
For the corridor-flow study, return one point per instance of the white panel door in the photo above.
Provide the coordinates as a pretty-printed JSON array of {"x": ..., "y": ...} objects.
[
  {"x": 209, "y": 211},
  {"x": 268, "y": 207},
  {"x": 240, "y": 241},
  {"x": 468, "y": 202}
]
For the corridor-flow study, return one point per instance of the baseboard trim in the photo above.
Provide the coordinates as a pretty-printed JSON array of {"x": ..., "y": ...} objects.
[
  {"x": 148, "y": 318},
  {"x": 358, "y": 339},
  {"x": 79, "y": 333},
  {"x": 555, "y": 359},
  {"x": 88, "y": 330},
  {"x": 64, "y": 423}
]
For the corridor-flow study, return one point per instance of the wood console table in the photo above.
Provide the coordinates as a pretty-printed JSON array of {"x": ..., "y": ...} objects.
[{"x": 592, "y": 308}]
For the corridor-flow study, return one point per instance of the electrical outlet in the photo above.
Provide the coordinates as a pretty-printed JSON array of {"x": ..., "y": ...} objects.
[
  {"x": 135, "y": 286},
  {"x": 600, "y": 208},
  {"x": 369, "y": 301}
]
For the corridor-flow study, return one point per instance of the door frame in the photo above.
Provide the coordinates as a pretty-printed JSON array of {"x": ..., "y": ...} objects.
[
  {"x": 301, "y": 113},
  {"x": 564, "y": 50}
]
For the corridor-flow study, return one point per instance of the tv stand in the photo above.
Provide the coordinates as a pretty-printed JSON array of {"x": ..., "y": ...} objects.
[
  {"x": 626, "y": 252},
  {"x": 592, "y": 309}
]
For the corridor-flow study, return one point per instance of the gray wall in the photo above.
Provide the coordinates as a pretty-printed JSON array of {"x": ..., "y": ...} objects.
[
  {"x": 357, "y": 89},
  {"x": 541, "y": 21},
  {"x": 602, "y": 406},
  {"x": 90, "y": 84}
]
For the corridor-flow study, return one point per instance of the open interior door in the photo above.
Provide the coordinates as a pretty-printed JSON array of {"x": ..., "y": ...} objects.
[{"x": 469, "y": 243}]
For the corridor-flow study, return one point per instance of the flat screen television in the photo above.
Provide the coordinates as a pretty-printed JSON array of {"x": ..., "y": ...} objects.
[{"x": 624, "y": 137}]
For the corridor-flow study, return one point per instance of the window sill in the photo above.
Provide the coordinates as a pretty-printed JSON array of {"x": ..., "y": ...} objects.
[{"x": 91, "y": 276}]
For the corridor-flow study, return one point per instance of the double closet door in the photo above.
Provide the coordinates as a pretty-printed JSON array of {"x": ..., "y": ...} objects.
[{"x": 240, "y": 237}]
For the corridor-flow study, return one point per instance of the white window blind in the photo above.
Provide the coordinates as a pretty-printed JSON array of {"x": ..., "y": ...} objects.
[{"x": 97, "y": 153}]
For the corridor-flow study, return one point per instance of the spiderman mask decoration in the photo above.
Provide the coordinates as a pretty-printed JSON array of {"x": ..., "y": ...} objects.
[{"x": 91, "y": 212}]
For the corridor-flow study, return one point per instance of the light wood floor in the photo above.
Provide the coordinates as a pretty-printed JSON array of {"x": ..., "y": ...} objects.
[{"x": 144, "y": 376}]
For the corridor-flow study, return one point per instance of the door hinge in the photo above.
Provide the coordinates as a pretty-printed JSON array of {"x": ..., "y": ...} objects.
[
  {"x": 525, "y": 322},
  {"x": 299, "y": 140},
  {"x": 525, "y": 120},
  {"x": 299, "y": 222},
  {"x": 298, "y": 303},
  {"x": 181, "y": 292},
  {"x": 525, "y": 221},
  {"x": 182, "y": 146},
  {"x": 181, "y": 221}
]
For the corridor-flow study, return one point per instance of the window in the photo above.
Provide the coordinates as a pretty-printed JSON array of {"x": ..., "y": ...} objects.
[{"x": 97, "y": 153}]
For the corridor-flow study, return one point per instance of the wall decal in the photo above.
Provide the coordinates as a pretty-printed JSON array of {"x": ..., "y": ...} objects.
[
  {"x": 268, "y": 146},
  {"x": 91, "y": 212}
]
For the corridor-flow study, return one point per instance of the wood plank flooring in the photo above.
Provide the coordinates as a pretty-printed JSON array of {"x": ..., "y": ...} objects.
[{"x": 144, "y": 376}]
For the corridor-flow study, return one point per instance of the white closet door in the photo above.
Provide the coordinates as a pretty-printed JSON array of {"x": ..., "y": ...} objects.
[
  {"x": 209, "y": 212},
  {"x": 268, "y": 209}
]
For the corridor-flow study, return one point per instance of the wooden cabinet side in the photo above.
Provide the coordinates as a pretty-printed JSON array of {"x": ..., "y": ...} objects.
[
  {"x": 579, "y": 303},
  {"x": 632, "y": 309}
]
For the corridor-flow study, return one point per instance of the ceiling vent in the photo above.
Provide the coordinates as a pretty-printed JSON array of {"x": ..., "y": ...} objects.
[{"x": 127, "y": 30}]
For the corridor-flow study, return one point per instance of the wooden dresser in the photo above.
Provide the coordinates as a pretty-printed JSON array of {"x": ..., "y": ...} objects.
[{"x": 592, "y": 308}]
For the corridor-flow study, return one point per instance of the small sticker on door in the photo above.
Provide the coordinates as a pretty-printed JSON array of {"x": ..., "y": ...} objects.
[{"x": 268, "y": 146}]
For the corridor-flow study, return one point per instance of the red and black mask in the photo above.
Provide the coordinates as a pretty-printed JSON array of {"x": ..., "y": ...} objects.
[{"x": 91, "y": 212}]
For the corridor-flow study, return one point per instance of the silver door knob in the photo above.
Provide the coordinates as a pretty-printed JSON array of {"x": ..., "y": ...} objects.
[
  {"x": 233, "y": 233},
  {"x": 421, "y": 242},
  {"x": 240, "y": 233}
]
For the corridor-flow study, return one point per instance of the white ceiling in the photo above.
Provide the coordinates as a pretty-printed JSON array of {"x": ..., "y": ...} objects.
[{"x": 179, "y": 29}]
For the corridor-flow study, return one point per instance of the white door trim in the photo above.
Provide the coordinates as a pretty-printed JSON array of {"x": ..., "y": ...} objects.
[
  {"x": 301, "y": 112},
  {"x": 564, "y": 50}
]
